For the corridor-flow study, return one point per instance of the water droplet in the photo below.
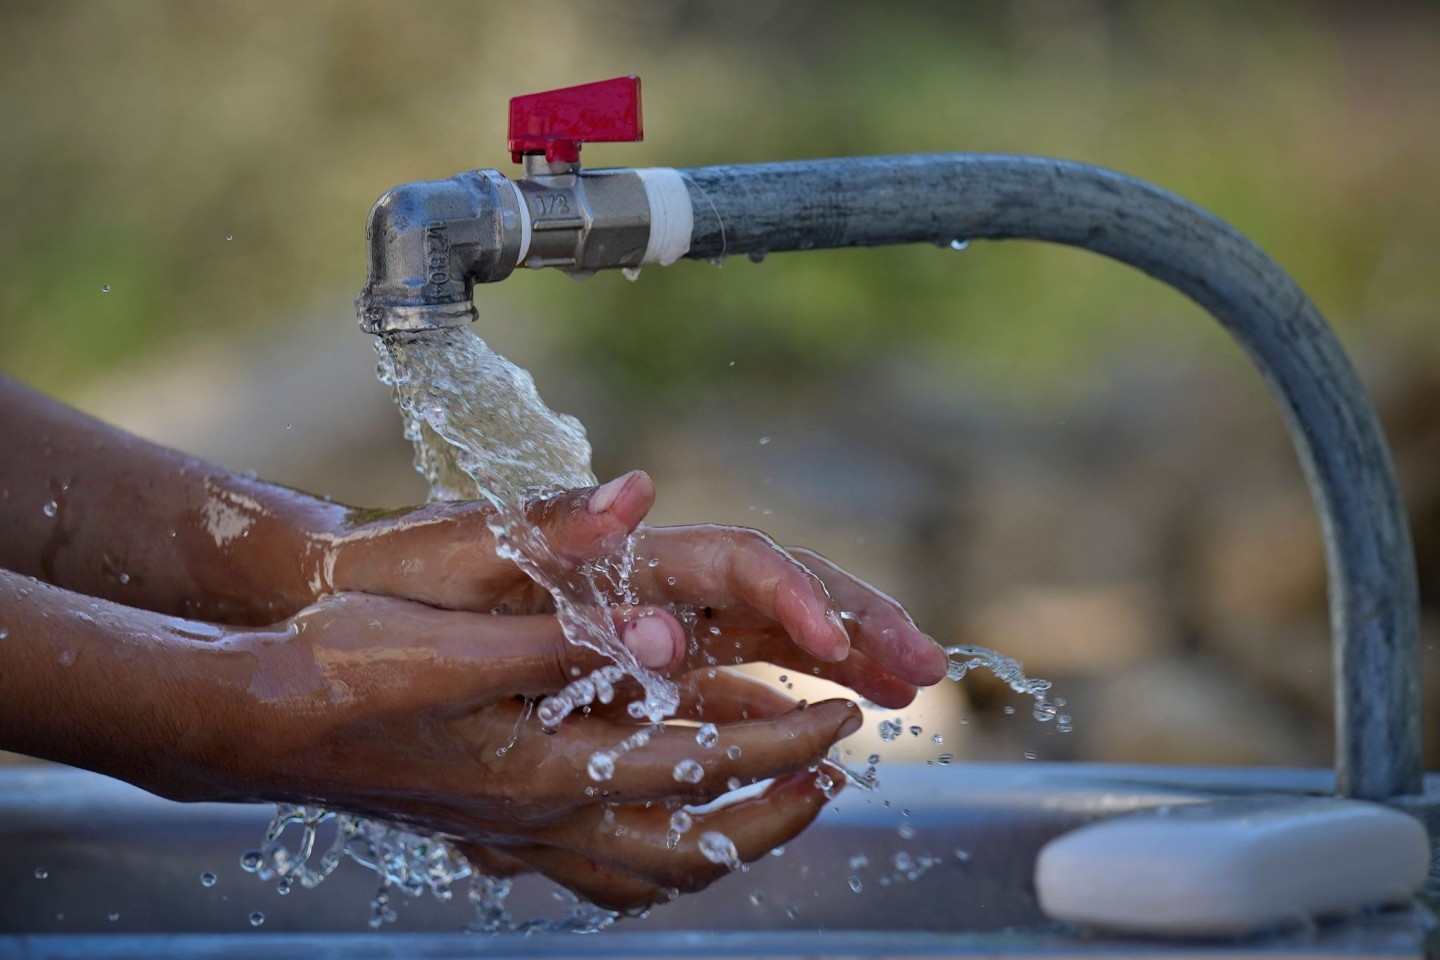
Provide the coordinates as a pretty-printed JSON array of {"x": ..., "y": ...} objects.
[
  {"x": 41, "y": 873},
  {"x": 733, "y": 751},
  {"x": 715, "y": 261},
  {"x": 4, "y": 633},
  {"x": 916, "y": 730},
  {"x": 251, "y": 860},
  {"x": 962, "y": 854},
  {"x": 601, "y": 766},
  {"x": 792, "y": 910},
  {"x": 778, "y": 851},
  {"x": 284, "y": 885},
  {"x": 764, "y": 440},
  {"x": 105, "y": 289},
  {"x": 859, "y": 862},
  {"x": 1029, "y": 754},
  {"x": 945, "y": 759},
  {"x": 124, "y": 578},
  {"x": 707, "y": 736},
  {"x": 68, "y": 658},
  {"x": 958, "y": 244},
  {"x": 113, "y": 915},
  {"x": 937, "y": 739},
  {"x": 681, "y": 821},
  {"x": 257, "y": 918},
  {"x": 688, "y": 771},
  {"x": 671, "y": 581},
  {"x": 229, "y": 236},
  {"x": 906, "y": 832},
  {"x": 652, "y": 563},
  {"x": 757, "y": 898},
  {"x": 873, "y": 758},
  {"x": 208, "y": 879},
  {"x": 50, "y": 509},
  {"x": 631, "y": 273},
  {"x": 855, "y": 884},
  {"x": 890, "y": 730},
  {"x": 718, "y": 848},
  {"x": 1008, "y": 710}
]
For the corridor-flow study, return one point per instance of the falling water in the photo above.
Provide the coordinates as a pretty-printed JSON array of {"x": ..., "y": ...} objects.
[{"x": 481, "y": 432}]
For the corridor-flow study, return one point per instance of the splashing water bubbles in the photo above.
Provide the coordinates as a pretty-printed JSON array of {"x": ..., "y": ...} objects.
[
  {"x": 601, "y": 766},
  {"x": 890, "y": 730},
  {"x": 105, "y": 288},
  {"x": 688, "y": 771},
  {"x": 50, "y": 509},
  {"x": 855, "y": 884},
  {"x": 257, "y": 918},
  {"x": 718, "y": 848},
  {"x": 859, "y": 861},
  {"x": 733, "y": 751},
  {"x": 681, "y": 821},
  {"x": 707, "y": 736},
  {"x": 906, "y": 831},
  {"x": 41, "y": 873}
]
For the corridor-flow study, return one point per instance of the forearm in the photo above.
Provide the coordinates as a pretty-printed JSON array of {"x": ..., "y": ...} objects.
[
  {"x": 145, "y": 697},
  {"x": 90, "y": 508}
]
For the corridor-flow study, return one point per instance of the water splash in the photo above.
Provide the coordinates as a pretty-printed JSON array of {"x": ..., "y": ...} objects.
[
  {"x": 965, "y": 657},
  {"x": 481, "y": 432}
]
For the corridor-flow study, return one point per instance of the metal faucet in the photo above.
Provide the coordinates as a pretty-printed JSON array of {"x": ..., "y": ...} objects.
[{"x": 431, "y": 242}]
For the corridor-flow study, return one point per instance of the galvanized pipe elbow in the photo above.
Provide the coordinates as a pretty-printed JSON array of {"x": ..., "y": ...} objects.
[{"x": 430, "y": 242}]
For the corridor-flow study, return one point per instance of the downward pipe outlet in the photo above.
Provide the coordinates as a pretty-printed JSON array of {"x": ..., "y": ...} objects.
[{"x": 429, "y": 243}]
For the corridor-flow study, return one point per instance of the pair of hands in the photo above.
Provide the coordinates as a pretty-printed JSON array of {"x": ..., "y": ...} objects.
[{"x": 400, "y": 695}]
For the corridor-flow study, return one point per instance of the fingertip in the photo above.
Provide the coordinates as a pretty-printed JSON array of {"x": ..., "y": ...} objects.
[
  {"x": 655, "y": 637},
  {"x": 628, "y": 494}
]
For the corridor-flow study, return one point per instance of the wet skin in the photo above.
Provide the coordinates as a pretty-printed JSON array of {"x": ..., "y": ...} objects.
[{"x": 207, "y": 635}]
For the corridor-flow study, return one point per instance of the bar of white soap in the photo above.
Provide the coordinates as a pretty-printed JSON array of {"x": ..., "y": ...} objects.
[{"x": 1233, "y": 866}]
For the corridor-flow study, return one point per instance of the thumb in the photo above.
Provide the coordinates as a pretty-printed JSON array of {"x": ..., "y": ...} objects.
[
  {"x": 589, "y": 522},
  {"x": 531, "y": 655}
]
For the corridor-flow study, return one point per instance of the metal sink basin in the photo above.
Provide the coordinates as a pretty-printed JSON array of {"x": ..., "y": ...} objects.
[{"x": 970, "y": 832}]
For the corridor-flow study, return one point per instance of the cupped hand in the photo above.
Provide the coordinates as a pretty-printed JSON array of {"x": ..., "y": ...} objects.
[
  {"x": 401, "y": 711},
  {"x": 746, "y": 597}
]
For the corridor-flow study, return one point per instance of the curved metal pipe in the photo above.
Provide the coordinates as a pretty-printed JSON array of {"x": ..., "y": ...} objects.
[{"x": 874, "y": 201}]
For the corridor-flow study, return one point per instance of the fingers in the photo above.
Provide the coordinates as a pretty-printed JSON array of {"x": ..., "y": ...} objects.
[
  {"x": 602, "y": 885},
  {"x": 420, "y": 656},
  {"x": 671, "y": 764},
  {"x": 726, "y": 567},
  {"x": 641, "y": 842},
  {"x": 714, "y": 695},
  {"x": 443, "y": 554},
  {"x": 771, "y": 644},
  {"x": 489, "y": 861},
  {"x": 882, "y": 628},
  {"x": 594, "y": 521}
]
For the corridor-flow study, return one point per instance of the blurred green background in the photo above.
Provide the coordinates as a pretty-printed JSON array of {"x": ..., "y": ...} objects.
[{"x": 1031, "y": 447}]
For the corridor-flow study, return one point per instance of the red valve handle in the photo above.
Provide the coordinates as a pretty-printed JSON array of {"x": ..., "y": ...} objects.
[{"x": 556, "y": 122}]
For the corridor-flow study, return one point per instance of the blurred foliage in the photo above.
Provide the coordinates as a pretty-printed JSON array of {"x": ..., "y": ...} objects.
[{"x": 138, "y": 137}]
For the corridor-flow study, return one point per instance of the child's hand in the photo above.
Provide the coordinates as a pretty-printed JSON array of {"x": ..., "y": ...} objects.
[
  {"x": 762, "y": 602},
  {"x": 405, "y": 712}
]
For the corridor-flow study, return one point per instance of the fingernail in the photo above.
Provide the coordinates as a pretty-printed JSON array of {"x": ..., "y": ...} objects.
[
  {"x": 851, "y": 724},
  {"x": 605, "y": 496},
  {"x": 650, "y": 640}
]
